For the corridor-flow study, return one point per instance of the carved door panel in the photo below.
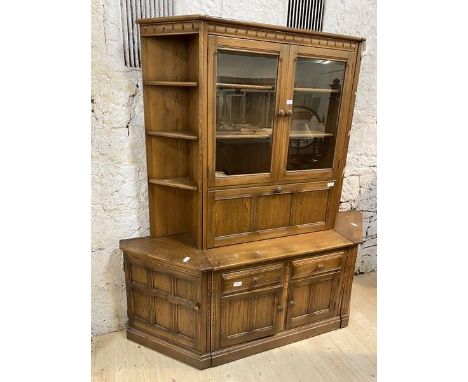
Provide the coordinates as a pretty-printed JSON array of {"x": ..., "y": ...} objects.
[
  {"x": 313, "y": 299},
  {"x": 249, "y": 316},
  {"x": 165, "y": 303}
]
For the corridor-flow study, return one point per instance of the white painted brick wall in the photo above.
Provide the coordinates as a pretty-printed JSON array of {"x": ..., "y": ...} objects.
[
  {"x": 359, "y": 18},
  {"x": 119, "y": 193}
]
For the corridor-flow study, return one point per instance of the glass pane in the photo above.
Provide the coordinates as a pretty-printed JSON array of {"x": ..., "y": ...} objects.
[
  {"x": 245, "y": 111},
  {"x": 314, "y": 124}
]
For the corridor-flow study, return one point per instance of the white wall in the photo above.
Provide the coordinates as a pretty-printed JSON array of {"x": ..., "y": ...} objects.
[
  {"x": 119, "y": 194},
  {"x": 359, "y": 18}
]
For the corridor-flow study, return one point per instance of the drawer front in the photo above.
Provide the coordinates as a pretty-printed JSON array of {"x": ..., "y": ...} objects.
[
  {"x": 317, "y": 265},
  {"x": 256, "y": 213},
  {"x": 252, "y": 278}
]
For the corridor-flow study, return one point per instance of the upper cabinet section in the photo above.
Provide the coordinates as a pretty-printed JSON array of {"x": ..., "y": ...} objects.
[
  {"x": 247, "y": 127},
  {"x": 276, "y": 112}
]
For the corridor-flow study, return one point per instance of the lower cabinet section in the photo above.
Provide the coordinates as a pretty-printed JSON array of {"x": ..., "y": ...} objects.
[{"x": 212, "y": 317}]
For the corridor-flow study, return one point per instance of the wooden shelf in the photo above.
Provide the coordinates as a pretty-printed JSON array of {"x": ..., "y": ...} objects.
[
  {"x": 183, "y": 134},
  {"x": 185, "y": 183},
  {"x": 309, "y": 134},
  {"x": 316, "y": 90},
  {"x": 245, "y": 86},
  {"x": 171, "y": 83},
  {"x": 239, "y": 135}
]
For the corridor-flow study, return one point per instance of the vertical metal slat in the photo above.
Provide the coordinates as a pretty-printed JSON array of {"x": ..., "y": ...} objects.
[
  {"x": 306, "y": 14},
  {"x": 135, "y": 9}
]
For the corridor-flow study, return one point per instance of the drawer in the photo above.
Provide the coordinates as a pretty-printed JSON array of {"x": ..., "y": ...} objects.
[
  {"x": 316, "y": 265},
  {"x": 252, "y": 278}
]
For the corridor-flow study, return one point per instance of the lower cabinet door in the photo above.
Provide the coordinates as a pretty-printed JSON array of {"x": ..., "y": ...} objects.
[
  {"x": 248, "y": 316},
  {"x": 313, "y": 299},
  {"x": 165, "y": 303}
]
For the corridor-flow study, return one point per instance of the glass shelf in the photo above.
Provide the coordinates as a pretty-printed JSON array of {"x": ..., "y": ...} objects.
[
  {"x": 245, "y": 86},
  {"x": 316, "y": 90},
  {"x": 172, "y": 83}
]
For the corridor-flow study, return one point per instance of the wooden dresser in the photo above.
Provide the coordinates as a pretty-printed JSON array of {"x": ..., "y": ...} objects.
[{"x": 247, "y": 130}]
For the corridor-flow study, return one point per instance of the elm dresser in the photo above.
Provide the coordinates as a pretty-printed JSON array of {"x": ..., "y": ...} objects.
[{"x": 247, "y": 129}]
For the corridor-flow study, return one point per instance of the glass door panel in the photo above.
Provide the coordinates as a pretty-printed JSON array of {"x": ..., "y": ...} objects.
[
  {"x": 316, "y": 100},
  {"x": 245, "y": 112}
]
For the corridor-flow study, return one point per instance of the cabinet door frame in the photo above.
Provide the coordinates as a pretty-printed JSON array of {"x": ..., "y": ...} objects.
[
  {"x": 199, "y": 341},
  {"x": 344, "y": 112},
  {"x": 225, "y": 341},
  {"x": 250, "y": 46},
  {"x": 309, "y": 318}
]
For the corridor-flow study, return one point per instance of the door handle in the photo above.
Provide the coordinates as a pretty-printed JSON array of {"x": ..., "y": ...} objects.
[
  {"x": 281, "y": 113},
  {"x": 277, "y": 190},
  {"x": 289, "y": 113}
]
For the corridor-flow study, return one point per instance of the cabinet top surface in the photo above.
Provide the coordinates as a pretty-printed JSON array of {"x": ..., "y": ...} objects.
[
  {"x": 272, "y": 249},
  {"x": 210, "y": 19},
  {"x": 349, "y": 225},
  {"x": 178, "y": 251}
]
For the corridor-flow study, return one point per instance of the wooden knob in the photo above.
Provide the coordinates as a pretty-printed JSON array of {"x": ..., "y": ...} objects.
[
  {"x": 278, "y": 189},
  {"x": 281, "y": 112},
  {"x": 292, "y": 302},
  {"x": 279, "y": 308},
  {"x": 320, "y": 266},
  {"x": 255, "y": 281},
  {"x": 289, "y": 113}
]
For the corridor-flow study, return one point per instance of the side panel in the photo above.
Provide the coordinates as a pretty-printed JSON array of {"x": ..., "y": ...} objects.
[{"x": 167, "y": 303}]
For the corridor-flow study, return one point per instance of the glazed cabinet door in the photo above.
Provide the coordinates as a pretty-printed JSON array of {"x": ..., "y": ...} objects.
[
  {"x": 165, "y": 303},
  {"x": 318, "y": 98},
  {"x": 314, "y": 289},
  {"x": 244, "y": 91}
]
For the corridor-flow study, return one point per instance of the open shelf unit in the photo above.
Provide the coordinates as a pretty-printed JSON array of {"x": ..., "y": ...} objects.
[{"x": 171, "y": 95}]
